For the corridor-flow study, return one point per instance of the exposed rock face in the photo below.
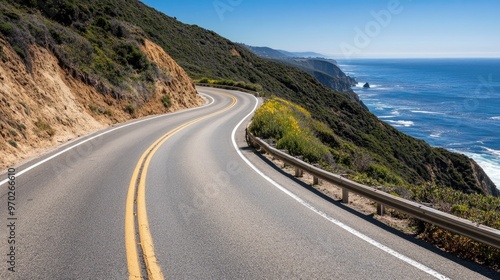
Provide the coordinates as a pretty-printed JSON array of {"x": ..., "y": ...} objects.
[
  {"x": 366, "y": 85},
  {"x": 325, "y": 71},
  {"x": 46, "y": 106},
  {"x": 483, "y": 180},
  {"x": 177, "y": 85}
]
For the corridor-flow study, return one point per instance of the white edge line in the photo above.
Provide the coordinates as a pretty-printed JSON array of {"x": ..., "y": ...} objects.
[
  {"x": 324, "y": 215},
  {"x": 106, "y": 132}
]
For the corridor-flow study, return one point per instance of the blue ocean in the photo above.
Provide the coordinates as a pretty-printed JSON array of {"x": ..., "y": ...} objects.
[{"x": 449, "y": 103}]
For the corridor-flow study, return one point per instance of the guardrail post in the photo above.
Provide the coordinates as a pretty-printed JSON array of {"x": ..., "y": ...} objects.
[
  {"x": 315, "y": 180},
  {"x": 345, "y": 195},
  {"x": 299, "y": 172},
  {"x": 247, "y": 138},
  {"x": 380, "y": 209}
]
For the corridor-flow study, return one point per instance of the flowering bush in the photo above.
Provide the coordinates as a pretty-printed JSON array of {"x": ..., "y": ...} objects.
[{"x": 289, "y": 125}]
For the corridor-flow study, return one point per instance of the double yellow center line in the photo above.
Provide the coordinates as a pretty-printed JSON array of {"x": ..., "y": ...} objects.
[{"x": 136, "y": 207}]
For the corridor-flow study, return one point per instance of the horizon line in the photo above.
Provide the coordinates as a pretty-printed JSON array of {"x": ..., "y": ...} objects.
[{"x": 458, "y": 57}]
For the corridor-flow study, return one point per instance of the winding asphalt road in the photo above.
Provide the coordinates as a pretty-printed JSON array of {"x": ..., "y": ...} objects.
[{"x": 215, "y": 210}]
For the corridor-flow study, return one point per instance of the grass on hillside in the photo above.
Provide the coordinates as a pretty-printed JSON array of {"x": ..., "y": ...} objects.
[{"x": 226, "y": 82}]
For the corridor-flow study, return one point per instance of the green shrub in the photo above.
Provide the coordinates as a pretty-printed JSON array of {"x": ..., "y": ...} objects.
[
  {"x": 302, "y": 144},
  {"x": 99, "y": 110},
  {"x": 129, "y": 54},
  {"x": 13, "y": 132},
  {"x": 13, "y": 143},
  {"x": 2, "y": 54},
  {"x": 6, "y": 29},
  {"x": 325, "y": 134},
  {"x": 107, "y": 68},
  {"x": 20, "y": 52},
  {"x": 204, "y": 81},
  {"x": 382, "y": 174},
  {"x": 45, "y": 127},
  {"x": 289, "y": 125},
  {"x": 13, "y": 16},
  {"x": 130, "y": 108},
  {"x": 102, "y": 23},
  {"x": 166, "y": 101},
  {"x": 226, "y": 82},
  {"x": 107, "y": 112}
]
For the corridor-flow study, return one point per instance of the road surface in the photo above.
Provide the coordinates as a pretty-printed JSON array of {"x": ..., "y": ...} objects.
[{"x": 214, "y": 210}]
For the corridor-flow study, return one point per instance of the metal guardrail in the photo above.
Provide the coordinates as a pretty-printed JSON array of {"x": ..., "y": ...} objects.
[
  {"x": 444, "y": 220},
  {"x": 229, "y": 87}
]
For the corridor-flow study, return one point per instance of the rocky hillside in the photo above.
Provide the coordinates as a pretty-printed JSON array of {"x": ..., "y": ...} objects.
[
  {"x": 325, "y": 71},
  {"x": 46, "y": 98}
]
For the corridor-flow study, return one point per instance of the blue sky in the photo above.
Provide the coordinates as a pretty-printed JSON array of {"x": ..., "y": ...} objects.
[{"x": 351, "y": 28}]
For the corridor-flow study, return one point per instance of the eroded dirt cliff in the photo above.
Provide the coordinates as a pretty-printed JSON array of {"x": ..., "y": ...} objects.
[{"x": 45, "y": 106}]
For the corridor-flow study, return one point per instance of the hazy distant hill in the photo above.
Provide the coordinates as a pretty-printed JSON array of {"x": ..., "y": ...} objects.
[
  {"x": 304, "y": 54},
  {"x": 325, "y": 70},
  {"x": 273, "y": 53},
  {"x": 267, "y": 52}
]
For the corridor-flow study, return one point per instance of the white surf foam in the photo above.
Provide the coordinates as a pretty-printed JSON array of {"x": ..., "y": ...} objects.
[
  {"x": 436, "y": 134},
  {"x": 490, "y": 166},
  {"x": 401, "y": 123},
  {"x": 427, "y": 112},
  {"x": 493, "y": 152},
  {"x": 396, "y": 113}
]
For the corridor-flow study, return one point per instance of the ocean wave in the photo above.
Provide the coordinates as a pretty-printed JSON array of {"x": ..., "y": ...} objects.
[
  {"x": 401, "y": 123},
  {"x": 461, "y": 144},
  {"x": 379, "y": 106},
  {"x": 493, "y": 152},
  {"x": 436, "y": 135},
  {"x": 497, "y": 118},
  {"x": 396, "y": 113},
  {"x": 427, "y": 112},
  {"x": 386, "y": 117},
  {"x": 364, "y": 96}
]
